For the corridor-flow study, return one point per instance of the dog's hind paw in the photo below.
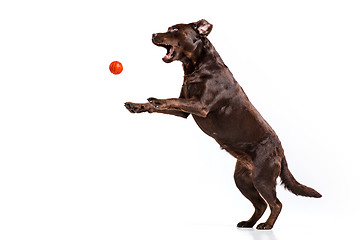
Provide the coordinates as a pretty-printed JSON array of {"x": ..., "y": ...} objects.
[
  {"x": 264, "y": 226},
  {"x": 245, "y": 224}
]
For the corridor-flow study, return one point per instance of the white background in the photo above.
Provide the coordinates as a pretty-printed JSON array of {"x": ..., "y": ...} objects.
[{"x": 75, "y": 164}]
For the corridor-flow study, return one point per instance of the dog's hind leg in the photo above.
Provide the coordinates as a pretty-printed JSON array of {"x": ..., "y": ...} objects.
[
  {"x": 264, "y": 177},
  {"x": 244, "y": 182}
]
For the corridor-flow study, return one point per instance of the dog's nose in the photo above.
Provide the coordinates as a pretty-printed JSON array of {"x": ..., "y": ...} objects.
[{"x": 154, "y": 35}]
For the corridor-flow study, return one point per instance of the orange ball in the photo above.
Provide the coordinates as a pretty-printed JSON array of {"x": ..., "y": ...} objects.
[{"x": 116, "y": 67}]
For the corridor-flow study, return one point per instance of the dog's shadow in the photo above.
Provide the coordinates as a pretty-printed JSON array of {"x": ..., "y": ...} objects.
[{"x": 259, "y": 234}]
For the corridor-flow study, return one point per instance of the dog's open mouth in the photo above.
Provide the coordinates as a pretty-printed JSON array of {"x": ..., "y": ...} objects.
[{"x": 170, "y": 51}]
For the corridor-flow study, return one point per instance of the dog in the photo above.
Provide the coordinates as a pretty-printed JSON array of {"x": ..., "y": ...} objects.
[{"x": 223, "y": 111}]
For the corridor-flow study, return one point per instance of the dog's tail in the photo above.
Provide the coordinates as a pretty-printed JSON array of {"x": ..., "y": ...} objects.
[{"x": 288, "y": 180}]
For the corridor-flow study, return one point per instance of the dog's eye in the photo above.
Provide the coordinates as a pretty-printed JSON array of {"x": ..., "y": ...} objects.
[{"x": 173, "y": 29}]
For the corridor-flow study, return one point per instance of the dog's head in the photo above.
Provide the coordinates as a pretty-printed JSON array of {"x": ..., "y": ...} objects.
[{"x": 182, "y": 40}]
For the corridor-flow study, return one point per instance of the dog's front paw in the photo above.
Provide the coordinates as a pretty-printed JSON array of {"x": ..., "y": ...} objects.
[
  {"x": 135, "y": 107},
  {"x": 155, "y": 102}
]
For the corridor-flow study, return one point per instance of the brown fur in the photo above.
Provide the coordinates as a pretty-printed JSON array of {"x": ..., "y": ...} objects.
[{"x": 222, "y": 110}]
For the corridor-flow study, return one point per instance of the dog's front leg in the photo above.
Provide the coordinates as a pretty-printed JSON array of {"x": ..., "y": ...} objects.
[
  {"x": 180, "y": 104},
  {"x": 148, "y": 107}
]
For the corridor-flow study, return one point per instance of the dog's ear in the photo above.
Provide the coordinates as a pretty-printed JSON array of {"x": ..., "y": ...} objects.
[{"x": 203, "y": 27}]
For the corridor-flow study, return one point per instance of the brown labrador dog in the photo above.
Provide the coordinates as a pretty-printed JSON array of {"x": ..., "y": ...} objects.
[{"x": 222, "y": 110}]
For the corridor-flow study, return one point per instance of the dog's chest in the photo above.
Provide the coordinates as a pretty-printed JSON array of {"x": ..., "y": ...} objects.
[{"x": 193, "y": 89}]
